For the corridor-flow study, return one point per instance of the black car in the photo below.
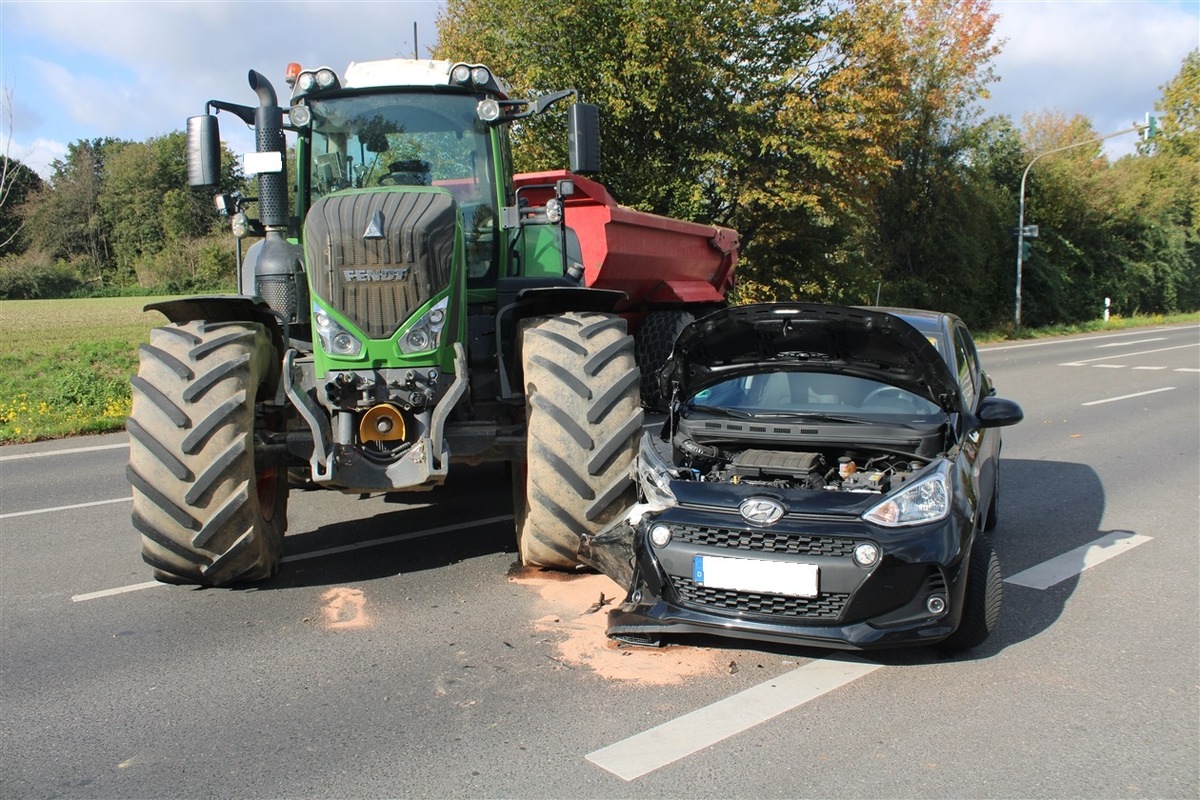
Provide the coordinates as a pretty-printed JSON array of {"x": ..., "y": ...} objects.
[{"x": 825, "y": 477}]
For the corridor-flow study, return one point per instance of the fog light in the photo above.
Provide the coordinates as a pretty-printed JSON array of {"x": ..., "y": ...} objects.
[
  {"x": 936, "y": 604},
  {"x": 660, "y": 535},
  {"x": 866, "y": 554}
]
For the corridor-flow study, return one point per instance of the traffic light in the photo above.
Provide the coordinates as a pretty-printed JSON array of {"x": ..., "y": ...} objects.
[{"x": 1151, "y": 128}]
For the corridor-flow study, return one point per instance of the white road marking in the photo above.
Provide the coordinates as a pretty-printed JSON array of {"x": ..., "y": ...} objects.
[
  {"x": 671, "y": 741},
  {"x": 1127, "y": 344},
  {"x": 136, "y": 587},
  {"x": 1074, "y": 562},
  {"x": 1153, "y": 368},
  {"x": 1187, "y": 369},
  {"x": 316, "y": 553},
  {"x": 68, "y": 451},
  {"x": 1128, "y": 396},
  {"x": 1109, "y": 366},
  {"x": 1127, "y": 355},
  {"x": 11, "y": 514}
]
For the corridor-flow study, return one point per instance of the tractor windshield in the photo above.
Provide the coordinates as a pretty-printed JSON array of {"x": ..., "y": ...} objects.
[{"x": 415, "y": 140}]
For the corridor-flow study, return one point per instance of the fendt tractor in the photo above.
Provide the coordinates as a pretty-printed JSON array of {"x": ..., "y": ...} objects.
[{"x": 417, "y": 306}]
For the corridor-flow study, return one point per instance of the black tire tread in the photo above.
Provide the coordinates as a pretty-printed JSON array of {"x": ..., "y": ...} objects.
[
  {"x": 191, "y": 460},
  {"x": 655, "y": 339},
  {"x": 583, "y": 421},
  {"x": 983, "y": 598}
]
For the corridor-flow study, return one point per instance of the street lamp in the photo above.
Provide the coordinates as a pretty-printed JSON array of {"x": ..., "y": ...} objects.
[{"x": 1032, "y": 232}]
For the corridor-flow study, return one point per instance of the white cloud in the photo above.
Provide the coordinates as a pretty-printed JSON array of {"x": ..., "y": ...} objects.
[
  {"x": 1103, "y": 60},
  {"x": 38, "y": 155}
]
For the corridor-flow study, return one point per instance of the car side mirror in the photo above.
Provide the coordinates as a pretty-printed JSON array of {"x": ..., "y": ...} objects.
[{"x": 996, "y": 412}]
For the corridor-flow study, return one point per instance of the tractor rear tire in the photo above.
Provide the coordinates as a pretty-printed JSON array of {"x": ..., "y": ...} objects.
[
  {"x": 583, "y": 423},
  {"x": 208, "y": 514},
  {"x": 655, "y": 339}
]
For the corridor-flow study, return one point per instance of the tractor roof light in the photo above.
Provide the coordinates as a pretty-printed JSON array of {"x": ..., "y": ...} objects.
[
  {"x": 461, "y": 73},
  {"x": 299, "y": 116},
  {"x": 290, "y": 74},
  {"x": 481, "y": 75},
  {"x": 326, "y": 78}
]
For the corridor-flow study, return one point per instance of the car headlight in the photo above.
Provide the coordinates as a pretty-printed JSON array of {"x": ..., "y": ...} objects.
[
  {"x": 426, "y": 332},
  {"x": 654, "y": 476},
  {"x": 335, "y": 339},
  {"x": 926, "y": 500}
]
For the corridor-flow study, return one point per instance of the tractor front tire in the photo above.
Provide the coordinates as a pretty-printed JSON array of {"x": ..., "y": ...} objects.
[
  {"x": 655, "y": 339},
  {"x": 208, "y": 514},
  {"x": 583, "y": 422}
]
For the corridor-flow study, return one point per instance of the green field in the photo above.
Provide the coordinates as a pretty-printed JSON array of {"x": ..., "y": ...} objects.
[{"x": 66, "y": 365}]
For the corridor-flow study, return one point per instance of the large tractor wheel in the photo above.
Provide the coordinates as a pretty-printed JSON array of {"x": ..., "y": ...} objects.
[
  {"x": 655, "y": 338},
  {"x": 583, "y": 423},
  {"x": 982, "y": 600},
  {"x": 208, "y": 514}
]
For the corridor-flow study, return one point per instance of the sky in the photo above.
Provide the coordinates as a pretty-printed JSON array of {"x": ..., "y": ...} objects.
[{"x": 75, "y": 70}]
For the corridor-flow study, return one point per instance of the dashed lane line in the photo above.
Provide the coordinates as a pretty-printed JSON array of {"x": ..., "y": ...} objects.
[
  {"x": 12, "y": 514},
  {"x": 1081, "y": 362},
  {"x": 68, "y": 451},
  {"x": 1128, "y": 396},
  {"x": 647, "y": 751},
  {"x": 1072, "y": 563}
]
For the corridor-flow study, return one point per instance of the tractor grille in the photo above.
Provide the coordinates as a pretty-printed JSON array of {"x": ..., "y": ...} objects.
[
  {"x": 377, "y": 256},
  {"x": 826, "y": 607},
  {"x": 763, "y": 541}
]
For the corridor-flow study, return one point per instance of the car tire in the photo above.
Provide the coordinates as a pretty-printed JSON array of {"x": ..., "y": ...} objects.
[
  {"x": 583, "y": 419},
  {"x": 208, "y": 514},
  {"x": 981, "y": 601}
]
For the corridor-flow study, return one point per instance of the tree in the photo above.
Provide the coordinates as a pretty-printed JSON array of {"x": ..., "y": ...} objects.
[
  {"x": 1180, "y": 108},
  {"x": 17, "y": 180}
]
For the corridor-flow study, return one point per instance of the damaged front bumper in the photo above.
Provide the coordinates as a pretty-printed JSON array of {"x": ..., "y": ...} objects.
[{"x": 911, "y": 595}]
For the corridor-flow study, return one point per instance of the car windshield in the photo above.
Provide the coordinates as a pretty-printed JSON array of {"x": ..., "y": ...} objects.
[
  {"x": 410, "y": 139},
  {"x": 810, "y": 393}
]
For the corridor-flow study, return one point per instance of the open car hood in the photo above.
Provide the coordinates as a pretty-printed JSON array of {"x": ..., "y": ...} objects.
[{"x": 811, "y": 337}]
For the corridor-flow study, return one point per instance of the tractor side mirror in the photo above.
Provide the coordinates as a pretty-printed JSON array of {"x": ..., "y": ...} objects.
[
  {"x": 583, "y": 138},
  {"x": 203, "y": 152}
]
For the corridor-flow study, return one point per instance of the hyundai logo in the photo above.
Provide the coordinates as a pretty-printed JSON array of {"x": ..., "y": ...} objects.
[{"x": 761, "y": 510}]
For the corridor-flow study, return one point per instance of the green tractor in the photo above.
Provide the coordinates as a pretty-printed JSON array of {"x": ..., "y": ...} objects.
[{"x": 418, "y": 306}]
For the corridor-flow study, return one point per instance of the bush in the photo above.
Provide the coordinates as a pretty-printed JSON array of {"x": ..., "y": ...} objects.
[{"x": 29, "y": 276}]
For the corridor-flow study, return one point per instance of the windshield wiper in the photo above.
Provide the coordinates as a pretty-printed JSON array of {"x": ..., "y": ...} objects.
[{"x": 814, "y": 416}]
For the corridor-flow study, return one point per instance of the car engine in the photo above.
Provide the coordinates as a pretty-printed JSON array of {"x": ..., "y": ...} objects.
[{"x": 825, "y": 469}]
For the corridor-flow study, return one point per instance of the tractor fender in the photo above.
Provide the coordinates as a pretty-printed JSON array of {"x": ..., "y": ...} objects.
[{"x": 225, "y": 308}]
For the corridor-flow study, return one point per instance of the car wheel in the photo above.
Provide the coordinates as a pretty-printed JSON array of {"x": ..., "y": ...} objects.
[{"x": 982, "y": 600}]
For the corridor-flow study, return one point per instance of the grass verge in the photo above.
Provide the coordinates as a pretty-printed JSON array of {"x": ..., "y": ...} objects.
[{"x": 66, "y": 365}]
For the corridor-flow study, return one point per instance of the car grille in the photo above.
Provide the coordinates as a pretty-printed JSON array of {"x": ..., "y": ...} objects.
[
  {"x": 763, "y": 541},
  {"x": 826, "y": 607}
]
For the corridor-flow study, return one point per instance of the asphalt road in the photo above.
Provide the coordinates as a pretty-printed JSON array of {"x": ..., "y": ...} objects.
[{"x": 400, "y": 653}]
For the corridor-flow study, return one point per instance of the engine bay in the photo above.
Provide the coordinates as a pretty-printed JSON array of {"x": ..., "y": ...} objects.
[{"x": 825, "y": 469}]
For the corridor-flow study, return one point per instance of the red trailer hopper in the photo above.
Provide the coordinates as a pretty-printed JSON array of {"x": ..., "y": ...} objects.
[{"x": 657, "y": 261}]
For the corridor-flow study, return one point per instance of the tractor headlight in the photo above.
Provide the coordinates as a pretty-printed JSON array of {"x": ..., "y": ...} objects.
[
  {"x": 488, "y": 110},
  {"x": 554, "y": 210},
  {"x": 654, "y": 476},
  {"x": 926, "y": 500},
  {"x": 335, "y": 339},
  {"x": 480, "y": 75},
  {"x": 426, "y": 333}
]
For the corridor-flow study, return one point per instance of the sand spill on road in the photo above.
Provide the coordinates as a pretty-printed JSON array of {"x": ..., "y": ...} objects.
[{"x": 580, "y": 640}]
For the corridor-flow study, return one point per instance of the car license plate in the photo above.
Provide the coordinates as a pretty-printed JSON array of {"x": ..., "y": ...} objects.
[{"x": 752, "y": 575}]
